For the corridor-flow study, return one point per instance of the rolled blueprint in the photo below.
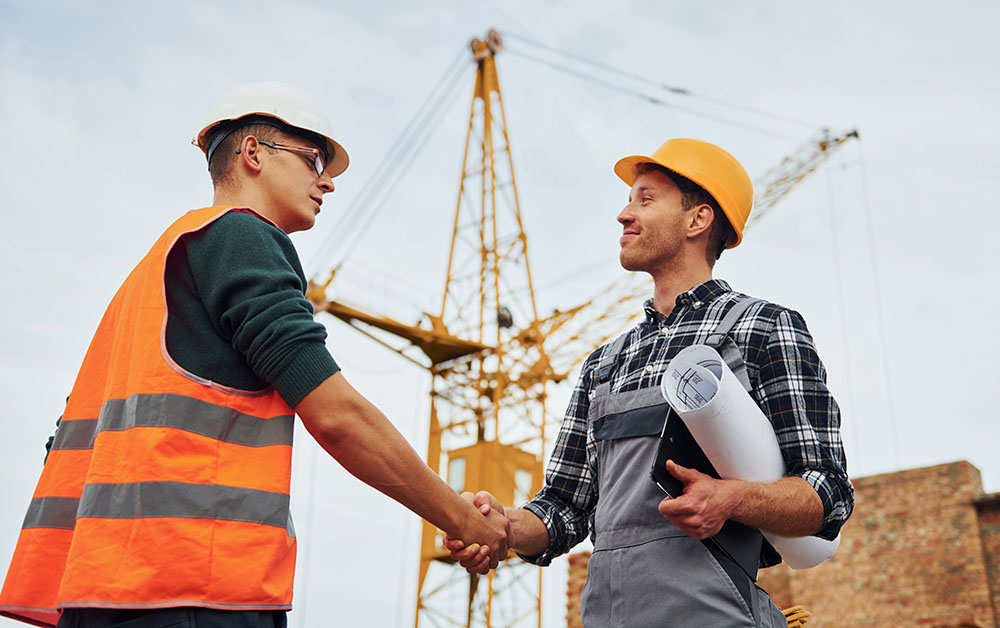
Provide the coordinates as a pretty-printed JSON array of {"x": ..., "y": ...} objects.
[{"x": 735, "y": 435}]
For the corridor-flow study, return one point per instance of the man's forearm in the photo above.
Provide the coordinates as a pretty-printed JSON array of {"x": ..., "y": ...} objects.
[
  {"x": 365, "y": 443},
  {"x": 789, "y": 507}
]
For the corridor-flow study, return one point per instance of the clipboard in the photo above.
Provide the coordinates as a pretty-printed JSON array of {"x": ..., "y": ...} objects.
[
  {"x": 739, "y": 543},
  {"x": 677, "y": 444}
]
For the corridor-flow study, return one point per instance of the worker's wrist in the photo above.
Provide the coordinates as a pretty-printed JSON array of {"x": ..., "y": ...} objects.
[
  {"x": 738, "y": 497},
  {"x": 464, "y": 519},
  {"x": 528, "y": 535}
]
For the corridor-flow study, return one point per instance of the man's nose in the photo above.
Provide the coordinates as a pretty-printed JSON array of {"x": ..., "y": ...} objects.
[
  {"x": 325, "y": 183},
  {"x": 625, "y": 215}
]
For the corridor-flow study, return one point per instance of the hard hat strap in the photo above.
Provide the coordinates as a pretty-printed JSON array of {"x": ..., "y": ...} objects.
[{"x": 228, "y": 127}]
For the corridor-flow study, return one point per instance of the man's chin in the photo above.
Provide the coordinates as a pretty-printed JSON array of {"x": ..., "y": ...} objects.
[{"x": 628, "y": 263}]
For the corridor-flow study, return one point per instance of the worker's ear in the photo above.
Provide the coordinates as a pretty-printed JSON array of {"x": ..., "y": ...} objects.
[
  {"x": 249, "y": 152},
  {"x": 700, "y": 220}
]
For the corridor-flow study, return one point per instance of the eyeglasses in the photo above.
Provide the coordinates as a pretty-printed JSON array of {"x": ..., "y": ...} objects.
[{"x": 316, "y": 156}]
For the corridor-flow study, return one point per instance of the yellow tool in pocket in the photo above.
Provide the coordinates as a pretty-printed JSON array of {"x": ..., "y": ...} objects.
[{"x": 796, "y": 616}]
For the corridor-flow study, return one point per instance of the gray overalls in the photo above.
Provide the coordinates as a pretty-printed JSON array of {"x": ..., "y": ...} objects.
[{"x": 645, "y": 572}]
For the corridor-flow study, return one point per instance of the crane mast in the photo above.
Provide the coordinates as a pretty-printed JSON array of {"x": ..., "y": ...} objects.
[{"x": 488, "y": 407}]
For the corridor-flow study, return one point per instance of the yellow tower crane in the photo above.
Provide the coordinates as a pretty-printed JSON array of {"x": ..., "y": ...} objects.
[
  {"x": 492, "y": 358},
  {"x": 490, "y": 373}
]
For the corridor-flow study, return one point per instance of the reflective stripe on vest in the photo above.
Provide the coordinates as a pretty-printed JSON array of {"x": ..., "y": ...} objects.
[
  {"x": 52, "y": 512},
  {"x": 161, "y": 488},
  {"x": 176, "y": 411},
  {"x": 160, "y": 499}
]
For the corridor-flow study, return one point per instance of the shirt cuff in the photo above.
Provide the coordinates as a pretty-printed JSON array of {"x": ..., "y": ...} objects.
[
  {"x": 310, "y": 367},
  {"x": 834, "y": 511},
  {"x": 543, "y": 511}
]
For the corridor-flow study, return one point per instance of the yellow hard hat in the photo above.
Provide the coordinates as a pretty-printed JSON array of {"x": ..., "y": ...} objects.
[
  {"x": 715, "y": 170},
  {"x": 287, "y": 103}
]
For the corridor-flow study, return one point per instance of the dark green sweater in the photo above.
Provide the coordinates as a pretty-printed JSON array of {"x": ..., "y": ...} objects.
[{"x": 237, "y": 313}]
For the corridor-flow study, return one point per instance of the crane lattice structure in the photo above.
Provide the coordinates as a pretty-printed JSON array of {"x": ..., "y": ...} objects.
[
  {"x": 490, "y": 372},
  {"x": 493, "y": 359}
]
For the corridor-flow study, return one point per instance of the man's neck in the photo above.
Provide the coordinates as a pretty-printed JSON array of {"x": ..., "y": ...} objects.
[
  {"x": 225, "y": 197},
  {"x": 230, "y": 198},
  {"x": 671, "y": 283}
]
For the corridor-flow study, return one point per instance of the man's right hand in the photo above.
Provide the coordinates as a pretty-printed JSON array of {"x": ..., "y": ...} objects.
[{"x": 477, "y": 557}]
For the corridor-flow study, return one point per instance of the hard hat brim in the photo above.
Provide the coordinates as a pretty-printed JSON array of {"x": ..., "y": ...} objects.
[{"x": 625, "y": 167}]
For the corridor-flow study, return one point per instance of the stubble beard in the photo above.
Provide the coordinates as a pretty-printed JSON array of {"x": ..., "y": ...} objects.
[
  {"x": 626, "y": 262},
  {"x": 636, "y": 258},
  {"x": 650, "y": 258}
]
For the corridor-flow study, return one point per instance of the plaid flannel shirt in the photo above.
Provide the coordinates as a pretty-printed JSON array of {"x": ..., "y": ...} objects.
[{"x": 788, "y": 383}]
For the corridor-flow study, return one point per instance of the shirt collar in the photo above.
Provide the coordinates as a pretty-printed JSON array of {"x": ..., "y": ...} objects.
[{"x": 700, "y": 295}]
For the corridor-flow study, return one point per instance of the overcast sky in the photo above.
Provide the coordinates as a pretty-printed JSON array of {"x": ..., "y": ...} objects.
[{"x": 887, "y": 251}]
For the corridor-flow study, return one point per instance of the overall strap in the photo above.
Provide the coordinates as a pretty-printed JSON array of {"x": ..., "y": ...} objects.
[
  {"x": 610, "y": 359},
  {"x": 721, "y": 341},
  {"x": 740, "y": 544}
]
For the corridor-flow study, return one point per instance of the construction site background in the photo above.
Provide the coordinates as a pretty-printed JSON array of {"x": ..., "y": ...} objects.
[{"x": 921, "y": 549}]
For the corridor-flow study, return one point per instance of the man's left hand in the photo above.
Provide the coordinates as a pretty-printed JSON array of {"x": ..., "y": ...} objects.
[{"x": 703, "y": 507}]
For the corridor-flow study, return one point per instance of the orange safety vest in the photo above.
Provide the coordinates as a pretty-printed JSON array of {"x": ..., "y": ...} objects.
[{"x": 162, "y": 488}]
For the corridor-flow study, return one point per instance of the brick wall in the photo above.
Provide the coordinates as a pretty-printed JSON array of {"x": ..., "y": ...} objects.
[
  {"x": 989, "y": 530},
  {"x": 574, "y": 585},
  {"x": 922, "y": 549}
]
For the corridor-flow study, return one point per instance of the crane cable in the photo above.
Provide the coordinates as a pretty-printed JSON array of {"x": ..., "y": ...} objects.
[
  {"x": 655, "y": 100},
  {"x": 681, "y": 91},
  {"x": 879, "y": 314},
  {"x": 878, "y": 306},
  {"x": 646, "y": 97},
  {"x": 841, "y": 297},
  {"x": 372, "y": 197}
]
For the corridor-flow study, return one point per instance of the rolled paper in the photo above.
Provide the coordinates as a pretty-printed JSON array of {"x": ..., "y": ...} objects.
[{"x": 735, "y": 435}]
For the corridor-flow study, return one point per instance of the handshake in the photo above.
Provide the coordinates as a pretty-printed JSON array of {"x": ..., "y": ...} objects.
[{"x": 488, "y": 534}]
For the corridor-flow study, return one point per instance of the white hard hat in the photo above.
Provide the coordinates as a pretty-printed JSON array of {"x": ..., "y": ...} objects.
[{"x": 287, "y": 103}]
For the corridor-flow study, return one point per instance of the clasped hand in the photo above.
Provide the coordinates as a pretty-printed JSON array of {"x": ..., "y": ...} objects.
[
  {"x": 475, "y": 557},
  {"x": 704, "y": 505}
]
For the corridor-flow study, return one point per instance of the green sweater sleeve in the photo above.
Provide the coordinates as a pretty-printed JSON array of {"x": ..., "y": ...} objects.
[{"x": 237, "y": 309}]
